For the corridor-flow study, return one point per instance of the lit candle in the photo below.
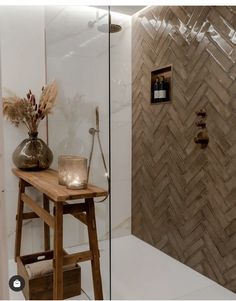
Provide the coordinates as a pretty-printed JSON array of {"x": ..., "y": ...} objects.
[{"x": 73, "y": 172}]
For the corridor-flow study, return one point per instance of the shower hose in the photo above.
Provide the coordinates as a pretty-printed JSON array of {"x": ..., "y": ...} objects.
[{"x": 95, "y": 132}]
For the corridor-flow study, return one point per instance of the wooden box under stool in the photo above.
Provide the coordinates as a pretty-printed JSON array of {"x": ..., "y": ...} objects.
[{"x": 41, "y": 287}]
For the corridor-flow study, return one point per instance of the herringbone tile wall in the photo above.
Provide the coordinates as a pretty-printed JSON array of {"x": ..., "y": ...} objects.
[{"x": 183, "y": 197}]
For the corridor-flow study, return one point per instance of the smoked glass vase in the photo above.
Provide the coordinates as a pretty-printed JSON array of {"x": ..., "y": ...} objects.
[{"x": 32, "y": 154}]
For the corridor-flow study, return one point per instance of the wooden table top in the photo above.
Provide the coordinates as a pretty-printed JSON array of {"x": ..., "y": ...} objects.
[{"x": 46, "y": 181}]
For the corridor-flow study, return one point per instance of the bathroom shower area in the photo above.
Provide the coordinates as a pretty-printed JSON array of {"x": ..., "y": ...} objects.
[{"x": 147, "y": 96}]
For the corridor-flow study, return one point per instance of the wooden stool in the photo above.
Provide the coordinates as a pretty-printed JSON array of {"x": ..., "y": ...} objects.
[{"x": 47, "y": 183}]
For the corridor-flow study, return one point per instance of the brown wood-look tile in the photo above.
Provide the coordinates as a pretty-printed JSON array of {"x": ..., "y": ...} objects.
[{"x": 183, "y": 198}]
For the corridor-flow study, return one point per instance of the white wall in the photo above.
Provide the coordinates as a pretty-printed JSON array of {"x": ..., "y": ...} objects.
[
  {"x": 3, "y": 228},
  {"x": 84, "y": 81},
  {"x": 121, "y": 102},
  {"x": 23, "y": 68},
  {"x": 78, "y": 60},
  {"x": 77, "y": 56}
]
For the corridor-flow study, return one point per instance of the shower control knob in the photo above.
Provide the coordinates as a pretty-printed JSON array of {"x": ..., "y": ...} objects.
[
  {"x": 201, "y": 113},
  {"x": 201, "y": 124}
]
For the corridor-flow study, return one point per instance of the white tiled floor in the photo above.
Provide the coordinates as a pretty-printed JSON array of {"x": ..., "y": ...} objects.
[{"x": 140, "y": 271}]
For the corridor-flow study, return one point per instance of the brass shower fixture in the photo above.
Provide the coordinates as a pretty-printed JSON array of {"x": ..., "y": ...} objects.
[
  {"x": 202, "y": 137},
  {"x": 201, "y": 123},
  {"x": 105, "y": 27},
  {"x": 202, "y": 113},
  {"x": 114, "y": 28}
]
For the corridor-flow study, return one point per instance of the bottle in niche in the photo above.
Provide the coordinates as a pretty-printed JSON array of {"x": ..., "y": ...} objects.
[
  {"x": 156, "y": 89},
  {"x": 163, "y": 89}
]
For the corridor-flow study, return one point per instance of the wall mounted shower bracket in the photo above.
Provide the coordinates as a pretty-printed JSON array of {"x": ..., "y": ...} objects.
[{"x": 94, "y": 132}]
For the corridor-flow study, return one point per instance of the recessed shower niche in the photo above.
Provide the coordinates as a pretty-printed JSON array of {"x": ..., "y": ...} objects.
[{"x": 161, "y": 79}]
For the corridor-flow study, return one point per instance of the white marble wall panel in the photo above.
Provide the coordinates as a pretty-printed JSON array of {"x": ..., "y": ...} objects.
[
  {"x": 77, "y": 57},
  {"x": 83, "y": 78},
  {"x": 23, "y": 68},
  {"x": 3, "y": 230},
  {"x": 121, "y": 126},
  {"x": 78, "y": 60}
]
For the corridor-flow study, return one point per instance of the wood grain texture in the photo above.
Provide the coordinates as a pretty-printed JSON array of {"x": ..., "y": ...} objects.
[
  {"x": 46, "y": 207},
  {"x": 41, "y": 212},
  {"x": 19, "y": 219},
  {"x": 46, "y": 181},
  {"x": 93, "y": 245},
  {"x": 77, "y": 257},
  {"x": 41, "y": 287},
  {"x": 183, "y": 197},
  {"x": 58, "y": 253}
]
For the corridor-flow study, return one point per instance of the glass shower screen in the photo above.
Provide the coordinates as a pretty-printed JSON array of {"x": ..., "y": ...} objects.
[{"x": 77, "y": 57}]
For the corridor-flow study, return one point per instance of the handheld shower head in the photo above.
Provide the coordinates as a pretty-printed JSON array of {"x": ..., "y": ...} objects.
[
  {"x": 92, "y": 131},
  {"x": 95, "y": 132},
  {"x": 97, "y": 118}
]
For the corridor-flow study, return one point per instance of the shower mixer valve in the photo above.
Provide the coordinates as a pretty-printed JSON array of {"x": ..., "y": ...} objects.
[
  {"x": 202, "y": 113},
  {"x": 202, "y": 137},
  {"x": 201, "y": 123}
]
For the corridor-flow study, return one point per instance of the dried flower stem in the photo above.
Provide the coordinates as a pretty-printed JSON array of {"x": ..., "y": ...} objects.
[{"x": 27, "y": 111}]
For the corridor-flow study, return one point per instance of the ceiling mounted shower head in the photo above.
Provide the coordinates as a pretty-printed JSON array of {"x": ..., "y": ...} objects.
[{"x": 113, "y": 28}]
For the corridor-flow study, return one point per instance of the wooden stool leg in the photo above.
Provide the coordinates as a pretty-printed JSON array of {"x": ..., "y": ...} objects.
[
  {"x": 46, "y": 227},
  {"x": 19, "y": 219},
  {"x": 58, "y": 253},
  {"x": 93, "y": 243}
]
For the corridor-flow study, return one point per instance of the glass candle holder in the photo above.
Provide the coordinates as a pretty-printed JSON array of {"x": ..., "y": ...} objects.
[{"x": 72, "y": 171}]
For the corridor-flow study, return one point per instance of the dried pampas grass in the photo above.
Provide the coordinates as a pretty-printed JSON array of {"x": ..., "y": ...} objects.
[{"x": 27, "y": 111}]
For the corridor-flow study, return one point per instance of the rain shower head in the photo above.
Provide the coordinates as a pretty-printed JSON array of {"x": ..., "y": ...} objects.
[
  {"x": 114, "y": 28},
  {"x": 105, "y": 28}
]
